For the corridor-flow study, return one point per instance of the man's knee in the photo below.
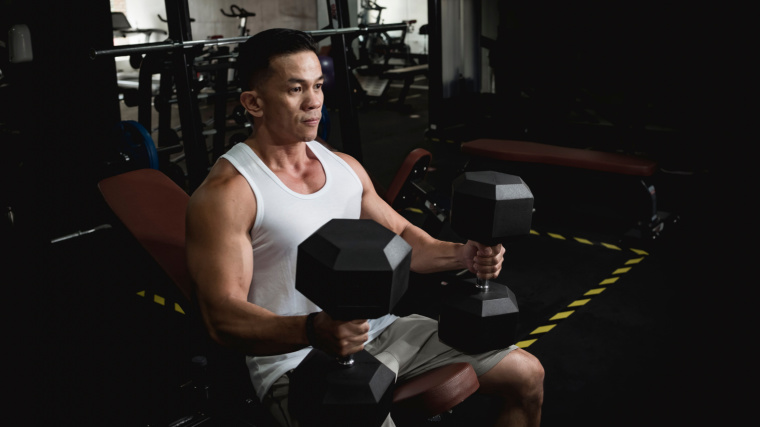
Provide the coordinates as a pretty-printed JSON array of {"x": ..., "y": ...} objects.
[
  {"x": 534, "y": 378},
  {"x": 519, "y": 375}
]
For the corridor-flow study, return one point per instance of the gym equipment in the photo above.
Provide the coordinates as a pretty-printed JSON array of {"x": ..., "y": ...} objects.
[
  {"x": 328, "y": 88},
  {"x": 171, "y": 45},
  {"x": 432, "y": 393},
  {"x": 408, "y": 183},
  {"x": 533, "y": 152},
  {"x": 19, "y": 45},
  {"x": 122, "y": 27},
  {"x": 135, "y": 145},
  {"x": 407, "y": 74},
  {"x": 379, "y": 48},
  {"x": 180, "y": 65},
  {"x": 628, "y": 171},
  {"x": 242, "y": 14},
  {"x": 489, "y": 208},
  {"x": 352, "y": 269},
  {"x": 413, "y": 197},
  {"x": 152, "y": 207}
]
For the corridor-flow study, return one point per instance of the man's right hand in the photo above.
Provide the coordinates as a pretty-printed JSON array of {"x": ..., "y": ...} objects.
[{"x": 338, "y": 337}]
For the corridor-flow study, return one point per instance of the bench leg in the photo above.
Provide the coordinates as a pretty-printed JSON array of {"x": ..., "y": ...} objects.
[
  {"x": 651, "y": 229},
  {"x": 405, "y": 90}
]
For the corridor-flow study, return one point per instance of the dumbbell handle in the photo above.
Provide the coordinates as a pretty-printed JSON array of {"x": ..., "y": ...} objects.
[
  {"x": 311, "y": 335},
  {"x": 481, "y": 284},
  {"x": 346, "y": 360}
]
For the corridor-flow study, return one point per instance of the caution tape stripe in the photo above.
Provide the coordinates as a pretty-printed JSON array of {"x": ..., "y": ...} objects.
[
  {"x": 554, "y": 320},
  {"x": 581, "y": 240},
  {"x": 158, "y": 299}
]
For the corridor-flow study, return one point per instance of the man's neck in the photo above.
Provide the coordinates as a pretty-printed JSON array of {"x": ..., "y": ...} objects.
[
  {"x": 295, "y": 165},
  {"x": 278, "y": 156}
]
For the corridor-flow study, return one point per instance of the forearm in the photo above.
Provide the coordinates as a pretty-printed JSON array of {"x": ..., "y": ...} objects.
[
  {"x": 430, "y": 255},
  {"x": 253, "y": 330}
]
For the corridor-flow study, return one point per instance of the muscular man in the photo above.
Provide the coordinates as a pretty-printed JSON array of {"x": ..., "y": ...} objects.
[{"x": 268, "y": 194}]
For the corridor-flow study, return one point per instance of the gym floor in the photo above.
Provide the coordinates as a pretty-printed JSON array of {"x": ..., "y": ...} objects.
[{"x": 623, "y": 328}]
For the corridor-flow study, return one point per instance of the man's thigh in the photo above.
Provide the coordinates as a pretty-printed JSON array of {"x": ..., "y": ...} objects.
[{"x": 410, "y": 347}]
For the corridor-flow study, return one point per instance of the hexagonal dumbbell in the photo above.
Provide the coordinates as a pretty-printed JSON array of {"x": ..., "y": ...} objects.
[
  {"x": 352, "y": 269},
  {"x": 489, "y": 208}
]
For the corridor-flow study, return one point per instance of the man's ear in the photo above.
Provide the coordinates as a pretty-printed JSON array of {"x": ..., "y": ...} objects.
[{"x": 252, "y": 102}]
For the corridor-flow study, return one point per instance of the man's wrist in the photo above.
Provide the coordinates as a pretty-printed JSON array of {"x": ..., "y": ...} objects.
[{"x": 311, "y": 332}]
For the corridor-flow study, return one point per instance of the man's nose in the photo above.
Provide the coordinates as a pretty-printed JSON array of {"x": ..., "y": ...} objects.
[{"x": 314, "y": 100}]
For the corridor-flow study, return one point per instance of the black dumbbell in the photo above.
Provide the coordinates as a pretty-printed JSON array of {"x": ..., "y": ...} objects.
[
  {"x": 490, "y": 208},
  {"x": 352, "y": 269}
]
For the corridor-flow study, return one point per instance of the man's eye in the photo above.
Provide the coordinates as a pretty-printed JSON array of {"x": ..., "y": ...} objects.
[
  {"x": 318, "y": 85},
  {"x": 295, "y": 89}
]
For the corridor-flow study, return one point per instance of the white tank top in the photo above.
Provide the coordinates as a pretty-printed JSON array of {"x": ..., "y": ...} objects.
[{"x": 284, "y": 219}]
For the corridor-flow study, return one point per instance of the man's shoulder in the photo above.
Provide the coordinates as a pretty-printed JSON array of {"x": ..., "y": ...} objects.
[
  {"x": 350, "y": 161},
  {"x": 223, "y": 184}
]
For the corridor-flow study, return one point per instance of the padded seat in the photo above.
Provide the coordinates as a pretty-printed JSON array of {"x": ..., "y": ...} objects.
[
  {"x": 532, "y": 152},
  {"x": 403, "y": 72},
  {"x": 152, "y": 207},
  {"x": 434, "y": 392},
  {"x": 407, "y": 74}
]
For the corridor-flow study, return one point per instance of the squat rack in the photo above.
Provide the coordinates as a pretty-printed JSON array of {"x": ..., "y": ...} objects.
[{"x": 185, "y": 49}]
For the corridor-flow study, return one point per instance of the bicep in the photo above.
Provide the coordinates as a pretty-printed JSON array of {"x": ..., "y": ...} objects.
[{"x": 219, "y": 251}]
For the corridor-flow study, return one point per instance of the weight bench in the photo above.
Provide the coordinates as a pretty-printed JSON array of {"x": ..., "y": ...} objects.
[
  {"x": 408, "y": 178},
  {"x": 407, "y": 74},
  {"x": 121, "y": 27},
  {"x": 575, "y": 158},
  {"x": 152, "y": 208},
  {"x": 533, "y": 152}
]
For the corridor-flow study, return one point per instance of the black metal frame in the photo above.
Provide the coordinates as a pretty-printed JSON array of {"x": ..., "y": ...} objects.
[{"x": 181, "y": 50}]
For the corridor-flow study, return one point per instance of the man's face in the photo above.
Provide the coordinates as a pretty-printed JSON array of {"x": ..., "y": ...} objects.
[{"x": 292, "y": 97}]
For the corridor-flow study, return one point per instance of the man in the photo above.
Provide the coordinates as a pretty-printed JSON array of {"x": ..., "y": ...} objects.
[{"x": 268, "y": 194}]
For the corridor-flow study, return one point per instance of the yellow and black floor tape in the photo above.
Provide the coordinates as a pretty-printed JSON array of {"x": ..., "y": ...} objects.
[
  {"x": 162, "y": 301},
  {"x": 637, "y": 257}
]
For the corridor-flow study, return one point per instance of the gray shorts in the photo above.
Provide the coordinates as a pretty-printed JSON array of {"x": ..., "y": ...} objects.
[{"x": 409, "y": 347}]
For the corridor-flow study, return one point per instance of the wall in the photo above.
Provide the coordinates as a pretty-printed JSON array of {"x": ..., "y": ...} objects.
[{"x": 209, "y": 20}]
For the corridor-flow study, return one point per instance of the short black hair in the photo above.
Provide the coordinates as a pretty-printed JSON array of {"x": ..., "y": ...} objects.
[{"x": 255, "y": 54}]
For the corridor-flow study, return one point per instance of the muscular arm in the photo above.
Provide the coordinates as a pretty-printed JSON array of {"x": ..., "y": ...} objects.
[
  {"x": 428, "y": 254},
  {"x": 220, "y": 260}
]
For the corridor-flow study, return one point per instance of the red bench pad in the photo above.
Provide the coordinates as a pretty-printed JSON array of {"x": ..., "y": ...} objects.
[
  {"x": 434, "y": 392},
  {"x": 152, "y": 207},
  {"x": 523, "y": 151}
]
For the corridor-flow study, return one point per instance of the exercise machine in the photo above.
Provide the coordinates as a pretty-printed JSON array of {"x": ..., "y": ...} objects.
[
  {"x": 180, "y": 66},
  {"x": 242, "y": 15},
  {"x": 577, "y": 174}
]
